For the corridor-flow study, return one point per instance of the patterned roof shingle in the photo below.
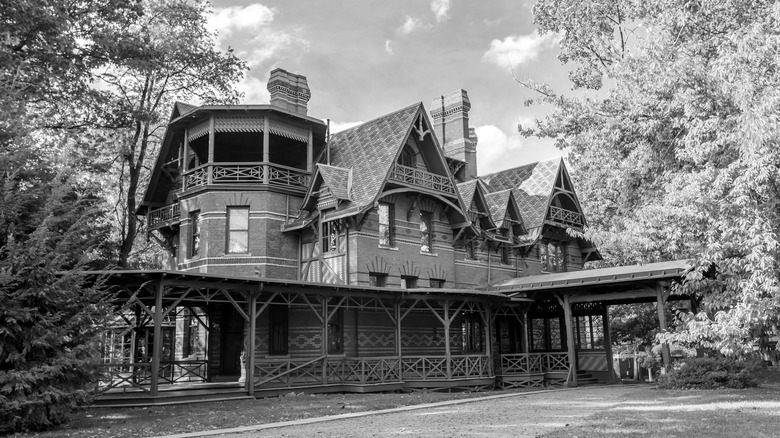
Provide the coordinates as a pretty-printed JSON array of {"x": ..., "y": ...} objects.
[
  {"x": 336, "y": 179},
  {"x": 498, "y": 203},
  {"x": 532, "y": 186},
  {"x": 467, "y": 190},
  {"x": 369, "y": 150}
]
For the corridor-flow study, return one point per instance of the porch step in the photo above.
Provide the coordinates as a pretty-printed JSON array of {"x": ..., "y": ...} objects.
[
  {"x": 170, "y": 397},
  {"x": 584, "y": 378}
]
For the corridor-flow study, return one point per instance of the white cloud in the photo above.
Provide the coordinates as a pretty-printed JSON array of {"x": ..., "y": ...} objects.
[
  {"x": 518, "y": 49},
  {"x": 255, "y": 90},
  {"x": 225, "y": 21},
  {"x": 409, "y": 25},
  {"x": 389, "y": 46},
  {"x": 498, "y": 151},
  {"x": 441, "y": 9},
  {"x": 341, "y": 126}
]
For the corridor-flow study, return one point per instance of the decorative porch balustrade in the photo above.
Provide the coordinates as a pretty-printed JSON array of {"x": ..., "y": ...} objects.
[
  {"x": 421, "y": 178},
  {"x": 529, "y": 363},
  {"x": 567, "y": 217},
  {"x": 163, "y": 217},
  {"x": 246, "y": 173},
  {"x": 138, "y": 376}
]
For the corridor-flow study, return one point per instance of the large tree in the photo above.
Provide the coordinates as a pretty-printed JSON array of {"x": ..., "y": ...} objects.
[
  {"x": 677, "y": 154},
  {"x": 166, "y": 55}
]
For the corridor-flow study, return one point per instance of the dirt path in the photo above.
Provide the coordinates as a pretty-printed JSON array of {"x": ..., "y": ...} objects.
[{"x": 524, "y": 415}]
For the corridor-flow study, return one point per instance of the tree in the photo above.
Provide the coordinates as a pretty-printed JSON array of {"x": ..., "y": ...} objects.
[
  {"x": 677, "y": 154},
  {"x": 166, "y": 55}
]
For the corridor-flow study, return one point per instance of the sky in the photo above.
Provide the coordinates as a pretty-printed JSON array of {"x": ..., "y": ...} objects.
[{"x": 366, "y": 58}]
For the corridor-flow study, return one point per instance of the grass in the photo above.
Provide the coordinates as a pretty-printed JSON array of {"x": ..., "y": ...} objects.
[
  {"x": 654, "y": 412},
  {"x": 162, "y": 420}
]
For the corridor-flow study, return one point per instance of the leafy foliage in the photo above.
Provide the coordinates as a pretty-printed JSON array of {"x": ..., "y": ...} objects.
[
  {"x": 709, "y": 373},
  {"x": 677, "y": 153}
]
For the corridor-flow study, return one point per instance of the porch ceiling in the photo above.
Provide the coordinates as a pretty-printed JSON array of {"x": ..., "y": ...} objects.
[{"x": 584, "y": 281}]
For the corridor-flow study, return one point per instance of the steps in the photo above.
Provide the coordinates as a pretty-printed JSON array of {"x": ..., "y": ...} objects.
[{"x": 584, "y": 378}]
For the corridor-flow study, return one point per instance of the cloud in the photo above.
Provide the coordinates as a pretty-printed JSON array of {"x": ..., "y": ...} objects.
[
  {"x": 409, "y": 25},
  {"x": 498, "y": 151},
  {"x": 389, "y": 46},
  {"x": 226, "y": 21},
  {"x": 441, "y": 9},
  {"x": 518, "y": 49},
  {"x": 341, "y": 126},
  {"x": 255, "y": 90}
]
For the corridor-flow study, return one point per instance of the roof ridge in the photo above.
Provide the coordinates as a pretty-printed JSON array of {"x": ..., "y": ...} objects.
[
  {"x": 518, "y": 167},
  {"x": 377, "y": 118}
]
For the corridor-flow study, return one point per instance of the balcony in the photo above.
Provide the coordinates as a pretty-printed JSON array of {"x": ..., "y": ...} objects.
[
  {"x": 421, "y": 178},
  {"x": 566, "y": 217},
  {"x": 162, "y": 217},
  {"x": 269, "y": 174}
]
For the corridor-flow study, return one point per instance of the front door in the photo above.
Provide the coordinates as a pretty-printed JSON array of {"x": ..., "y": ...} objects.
[
  {"x": 232, "y": 342},
  {"x": 510, "y": 335}
]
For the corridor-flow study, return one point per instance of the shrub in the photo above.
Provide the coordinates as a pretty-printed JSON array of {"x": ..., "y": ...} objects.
[{"x": 710, "y": 373}]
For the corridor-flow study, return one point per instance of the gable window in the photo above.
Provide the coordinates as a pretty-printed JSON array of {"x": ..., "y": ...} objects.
[
  {"x": 407, "y": 157},
  {"x": 377, "y": 279},
  {"x": 552, "y": 256},
  {"x": 408, "y": 282},
  {"x": 336, "y": 333},
  {"x": 426, "y": 231},
  {"x": 277, "y": 330},
  {"x": 330, "y": 237},
  {"x": 471, "y": 332},
  {"x": 386, "y": 219},
  {"x": 238, "y": 230},
  {"x": 194, "y": 234}
]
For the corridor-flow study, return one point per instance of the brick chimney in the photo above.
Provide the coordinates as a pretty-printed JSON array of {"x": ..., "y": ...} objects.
[
  {"x": 451, "y": 123},
  {"x": 289, "y": 91}
]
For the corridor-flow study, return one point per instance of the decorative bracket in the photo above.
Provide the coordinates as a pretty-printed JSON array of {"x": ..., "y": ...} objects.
[{"x": 420, "y": 128}]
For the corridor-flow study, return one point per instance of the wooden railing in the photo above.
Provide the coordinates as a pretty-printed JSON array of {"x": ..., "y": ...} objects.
[
  {"x": 421, "y": 178},
  {"x": 529, "y": 363},
  {"x": 567, "y": 217},
  {"x": 162, "y": 217},
  {"x": 246, "y": 173},
  {"x": 470, "y": 366},
  {"x": 364, "y": 370},
  {"x": 139, "y": 374}
]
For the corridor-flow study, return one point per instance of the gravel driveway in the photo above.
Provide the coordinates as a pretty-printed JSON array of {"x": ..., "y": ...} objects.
[{"x": 521, "y": 415}]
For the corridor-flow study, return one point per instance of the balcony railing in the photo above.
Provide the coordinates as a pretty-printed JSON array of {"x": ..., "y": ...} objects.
[
  {"x": 246, "y": 173},
  {"x": 527, "y": 363},
  {"x": 422, "y": 178},
  {"x": 567, "y": 217},
  {"x": 163, "y": 217}
]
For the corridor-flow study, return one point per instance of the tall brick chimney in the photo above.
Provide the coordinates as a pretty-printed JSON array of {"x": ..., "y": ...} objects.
[
  {"x": 289, "y": 91},
  {"x": 451, "y": 123}
]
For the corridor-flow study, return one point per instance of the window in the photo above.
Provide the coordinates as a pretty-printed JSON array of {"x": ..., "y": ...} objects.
[
  {"x": 437, "y": 283},
  {"x": 336, "y": 333},
  {"x": 238, "y": 229},
  {"x": 407, "y": 157},
  {"x": 552, "y": 255},
  {"x": 471, "y": 331},
  {"x": 277, "y": 330},
  {"x": 330, "y": 237},
  {"x": 377, "y": 279},
  {"x": 546, "y": 334},
  {"x": 471, "y": 250},
  {"x": 386, "y": 220},
  {"x": 590, "y": 332},
  {"x": 505, "y": 254},
  {"x": 426, "y": 232},
  {"x": 408, "y": 282},
  {"x": 194, "y": 233},
  {"x": 190, "y": 332}
]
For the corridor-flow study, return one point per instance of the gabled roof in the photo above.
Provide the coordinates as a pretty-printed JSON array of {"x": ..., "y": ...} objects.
[
  {"x": 498, "y": 202},
  {"x": 467, "y": 190},
  {"x": 532, "y": 186},
  {"x": 338, "y": 180}
]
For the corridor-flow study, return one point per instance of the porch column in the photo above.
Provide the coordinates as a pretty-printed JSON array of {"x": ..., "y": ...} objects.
[
  {"x": 250, "y": 353},
  {"x": 569, "y": 322},
  {"x": 488, "y": 335},
  {"x": 324, "y": 338},
  {"x": 660, "y": 301},
  {"x": 608, "y": 342},
  {"x": 526, "y": 344},
  {"x": 266, "y": 151},
  {"x": 447, "y": 351},
  {"x": 397, "y": 310},
  {"x": 209, "y": 173},
  {"x": 157, "y": 342}
]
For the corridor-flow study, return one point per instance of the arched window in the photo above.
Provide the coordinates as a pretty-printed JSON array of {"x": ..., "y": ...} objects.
[{"x": 407, "y": 157}]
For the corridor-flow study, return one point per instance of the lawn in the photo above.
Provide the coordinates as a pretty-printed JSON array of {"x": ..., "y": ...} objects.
[
  {"x": 162, "y": 420},
  {"x": 652, "y": 412}
]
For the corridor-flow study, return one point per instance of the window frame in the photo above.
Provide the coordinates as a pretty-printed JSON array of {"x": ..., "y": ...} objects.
[
  {"x": 409, "y": 282},
  {"x": 378, "y": 279},
  {"x": 278, "y": 330},
  {"x": 229, "y": 231},
  {"x": 194, "y": 238},
  {"x": 336, "y": 333},
  {"x": 389, "y": 231},
  {"x": 472, "y": 332},
  {"x": 426, "y": 235}
]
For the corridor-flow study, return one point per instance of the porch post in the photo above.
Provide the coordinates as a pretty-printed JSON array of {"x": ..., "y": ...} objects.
[
  {"x": 489, "y": 335},
  {"x": 447, "y": 351},
  {"x": 250, "y": 353},
  {"x": 526, "y": 347},
  {"x": 266, "y": 151},
  {"x": 210, "y": 162},
  {"x": 324, "y": 338},
  {"x": 157, "y": 342},
  {"x": 662, "y": 321},
  {"x": 569, "y": 321},
  {"x": 608, "y": 342},
  {"x": 397, "y": 308}
]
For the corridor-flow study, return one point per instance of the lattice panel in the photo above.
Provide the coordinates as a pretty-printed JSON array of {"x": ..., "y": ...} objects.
[
  {"x": 238, "y": 123},
  {"x": 555, "y": 333}
]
